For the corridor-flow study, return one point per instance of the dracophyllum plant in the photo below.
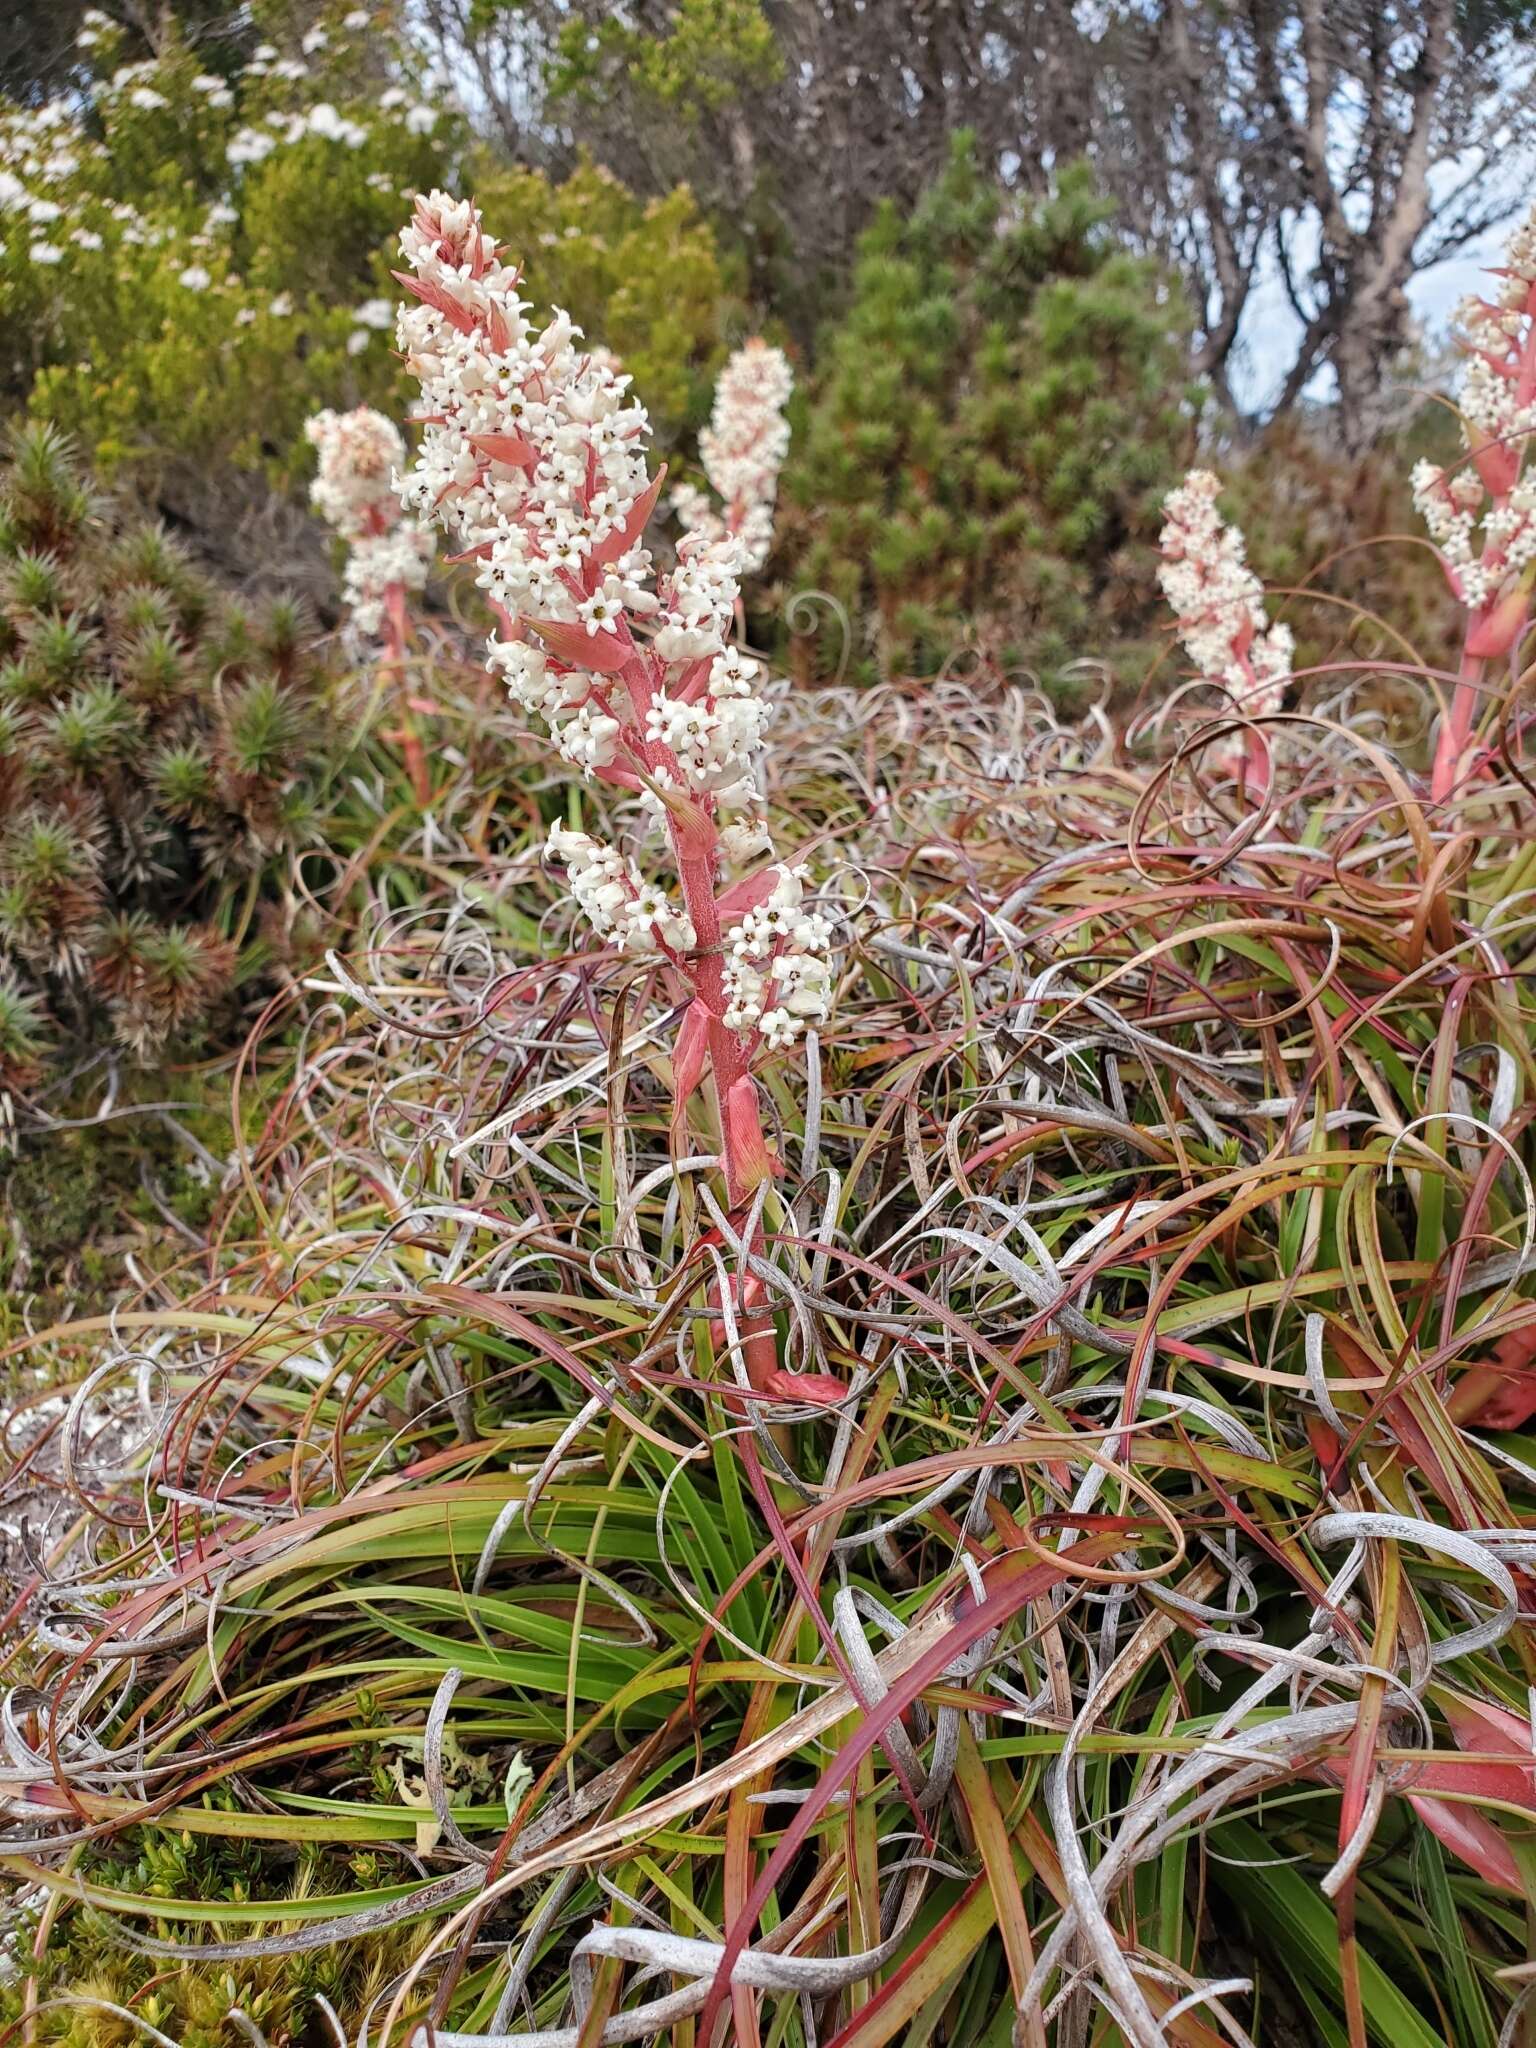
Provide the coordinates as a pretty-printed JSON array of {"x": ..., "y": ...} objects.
[
  {"x": 388, "y": 553},
  {"x": 533, "y": 453},
  {"x": 1219, "y": 603},
  {"x": 743, "y": 450},
  {"x": 1481, "y": 513}
]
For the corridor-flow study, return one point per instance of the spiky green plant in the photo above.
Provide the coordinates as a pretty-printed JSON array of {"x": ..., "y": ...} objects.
[
  {"x": 23, "y": 1031},
  {"x": 158, "y": 751},
  {"x": 35, "y": 581},
  {"x": 48, "y": 503}
]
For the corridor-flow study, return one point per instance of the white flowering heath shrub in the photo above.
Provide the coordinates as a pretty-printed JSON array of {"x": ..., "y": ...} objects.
[
  {"x": 533, "y": 454},
  {"x": 1481, "y": 513},
  {"x": 742, "y": 450},
  {"x": 191, "y": 261},
  {"x": 1219, "y": 604},
  {"x": 388, "y": 554}
]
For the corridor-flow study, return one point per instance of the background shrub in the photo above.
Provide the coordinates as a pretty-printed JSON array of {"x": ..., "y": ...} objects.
[
  {"x": 161, "y": 753},
  {"x": 643, "y": 278},
  {"x": 193, "y": 261},
  {"x": 993, "y": 425}
]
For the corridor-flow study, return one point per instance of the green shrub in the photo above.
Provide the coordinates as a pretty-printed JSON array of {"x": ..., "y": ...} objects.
[
  {"x": 192, "y": 262},
  {"x": 159, "y": 752},
  {"x": 995, "y": 421}
]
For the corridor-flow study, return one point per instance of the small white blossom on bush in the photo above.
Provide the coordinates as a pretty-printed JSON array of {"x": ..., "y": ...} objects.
[
  {"x": 359, "y": 453},
  {"x": 742, "y": 450},
  {"x": 325, "y": 121},
  {"x": 168, "y": 204},
  {"x": 1219, "y": 601}
]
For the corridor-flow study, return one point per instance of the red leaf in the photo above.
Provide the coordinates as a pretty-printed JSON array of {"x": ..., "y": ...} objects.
[
  {"x": 1498, "y": 630},
  {"x": 746, "y": 894},
  {"x": 689, "y": 1053},
  {"x": 1413, "y": 1443},
  {"x": 753, "y": 1162},
  {"x": 1483, "y": 1730},
  {"x": 819, "y": 1387},
  {"x": 1499, "y": 466},
  {"x": 510, "y": 448},
  {"x": 623, "y": 538},
  {"x": 435, "y": 296},
  {"x": 1473, "y": 1837},
  {"x": 603, "y": 653},
  {"x": 1489, "y": 1730},
  {"x": 1502, "y": 1393}
]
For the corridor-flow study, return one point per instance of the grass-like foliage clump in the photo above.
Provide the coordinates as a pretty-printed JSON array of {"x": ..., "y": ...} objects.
[
  {"x": 862, "y": 1370},
  {"x": 1116, "y": 1593}
]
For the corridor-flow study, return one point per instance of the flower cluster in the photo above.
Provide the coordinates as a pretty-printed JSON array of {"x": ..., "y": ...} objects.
[
  {"x": 776, "y": 972},
  {"x": 1482, "y": 514},
  {"x": 359, "y": 453},
  {"x": 533, "y": 452},
  {"x": 743, "y": 449},
  {"x": 615, "y": 899},
  {"x": 1219, "y": 601}
]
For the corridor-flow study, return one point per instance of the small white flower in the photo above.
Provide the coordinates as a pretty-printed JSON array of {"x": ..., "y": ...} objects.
[
  {"x": 195, "y": 278},
  {"x": 314, "y": 39},
  {"x": 249, "y": 146},
  {"x": 46, "y": 252}
]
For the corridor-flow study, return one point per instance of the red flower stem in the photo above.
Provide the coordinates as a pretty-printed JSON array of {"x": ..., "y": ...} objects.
[
  {"x": 1456, "y": 729},
  {"x": 744, "y": 1150},
  {"x": 397, "y": 633}
]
